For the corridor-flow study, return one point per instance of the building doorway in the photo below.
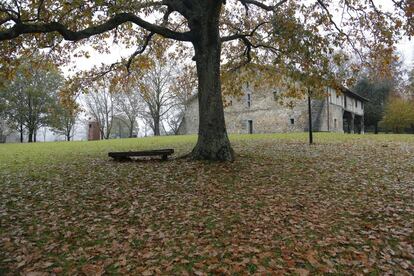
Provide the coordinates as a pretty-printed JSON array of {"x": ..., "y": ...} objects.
[{"x": 250, "y": 126}]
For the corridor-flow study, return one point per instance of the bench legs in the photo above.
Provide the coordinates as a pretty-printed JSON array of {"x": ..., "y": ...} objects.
[{"x": 123, "y": 159}]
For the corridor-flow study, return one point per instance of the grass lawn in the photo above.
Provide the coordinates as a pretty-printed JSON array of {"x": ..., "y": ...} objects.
[{"x": 342, "y": 206}]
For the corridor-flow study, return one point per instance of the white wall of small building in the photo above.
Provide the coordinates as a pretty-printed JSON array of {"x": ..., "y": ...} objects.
[{"x": 352, "y": 104}]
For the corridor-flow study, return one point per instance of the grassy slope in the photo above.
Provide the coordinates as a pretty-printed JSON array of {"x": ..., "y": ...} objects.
[{"x": 343, "y": 205}]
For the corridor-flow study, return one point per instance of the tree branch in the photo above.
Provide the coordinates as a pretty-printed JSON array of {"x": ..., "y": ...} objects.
[
  {"x": 242, "y": 36},
  {"x": 139, "y": 50},
  {"x": 22, "y": 28},
  {"x": 261, "y": 5},
  {"x": 325, "y": 8}
]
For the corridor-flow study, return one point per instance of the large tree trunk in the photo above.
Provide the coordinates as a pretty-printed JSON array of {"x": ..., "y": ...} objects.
[{"x": 213, "y": 142}]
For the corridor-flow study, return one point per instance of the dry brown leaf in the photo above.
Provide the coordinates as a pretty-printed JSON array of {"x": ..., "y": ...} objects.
[
  {"x": 302, "y": 271},
  {"x": 92, "y": 270}
]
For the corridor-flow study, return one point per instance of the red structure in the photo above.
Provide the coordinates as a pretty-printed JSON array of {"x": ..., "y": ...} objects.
[{"x": 93, "y": 131}]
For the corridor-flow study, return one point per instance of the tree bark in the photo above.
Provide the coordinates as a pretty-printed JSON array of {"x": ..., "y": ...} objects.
[
  {"x": 156, "y": 126},
  {"x": 131, "y": 128},
  {"x": 376, "y": 128},
  {"x": 30, "y": 136},
  {"x": 21, "y": 133},
  {"x": 213, "y": 142}
]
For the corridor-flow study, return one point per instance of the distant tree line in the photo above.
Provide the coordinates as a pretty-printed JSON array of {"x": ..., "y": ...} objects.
[
  {"x": 32, "y": 99},
  {"x": 155, "y": 94},
  {"x": 391, "y": 100}
]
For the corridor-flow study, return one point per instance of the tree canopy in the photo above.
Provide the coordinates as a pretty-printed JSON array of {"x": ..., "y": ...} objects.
[
  {"x": 377, "y": 93},
  {"x": 30, "y": 94},
  {"x": 304, "y": 40},
  {"x": 399, "y": 115}
]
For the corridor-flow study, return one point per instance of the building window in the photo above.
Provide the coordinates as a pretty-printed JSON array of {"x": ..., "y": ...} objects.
[
  {"x": 90, "y": 125},
  {"x": 276, "y": 94},
  {"x": 335, "y": 123},
  {"x": 292, "y": 121},
  {"x": 356, "y": 104},
  {"x": 230, "y": 103},
  {"x": 249, "y": 99}
]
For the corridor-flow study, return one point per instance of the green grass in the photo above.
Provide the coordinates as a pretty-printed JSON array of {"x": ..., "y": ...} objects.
[
  {"x": 348, "y": 199},
  {"x": 18, "y": 156}
]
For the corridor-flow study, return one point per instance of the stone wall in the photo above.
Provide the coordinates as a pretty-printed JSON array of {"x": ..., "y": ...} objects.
[
  {"x": 266, "y": 114},
  {"x": 269, "y": 116}
]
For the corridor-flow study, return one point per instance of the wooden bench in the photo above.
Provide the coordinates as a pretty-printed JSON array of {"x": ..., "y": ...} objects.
[{"x": 126, "y": 155}]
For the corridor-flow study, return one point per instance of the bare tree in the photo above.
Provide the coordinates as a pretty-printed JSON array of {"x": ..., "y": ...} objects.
[
  {"x": 100, "y": 104},
  {"x": 129, "y": 104},
  {"x": 183, "y": 88},
  {"x": 63, "y": 121},
  {"x": 173, "y": 120},
  {"x": 157, "y": 94}
]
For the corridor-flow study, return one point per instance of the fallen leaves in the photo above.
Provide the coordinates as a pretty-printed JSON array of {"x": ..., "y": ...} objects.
[
  {"x": 282, "y": 207},
  {"x": 92, "y": 270}
]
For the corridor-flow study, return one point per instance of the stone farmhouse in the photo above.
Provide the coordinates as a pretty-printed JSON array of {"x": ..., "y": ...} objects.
[{"x": 262, "y": 112}]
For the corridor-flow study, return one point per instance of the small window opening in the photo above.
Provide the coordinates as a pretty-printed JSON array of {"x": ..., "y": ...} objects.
[
  {"x": 275, "y": 96},
  {"x": 335, "y": 123},
  {"x": 249, "y": 100},
  {"x": 292, "y": 121},
  {"x": 90, "y": 125}
]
